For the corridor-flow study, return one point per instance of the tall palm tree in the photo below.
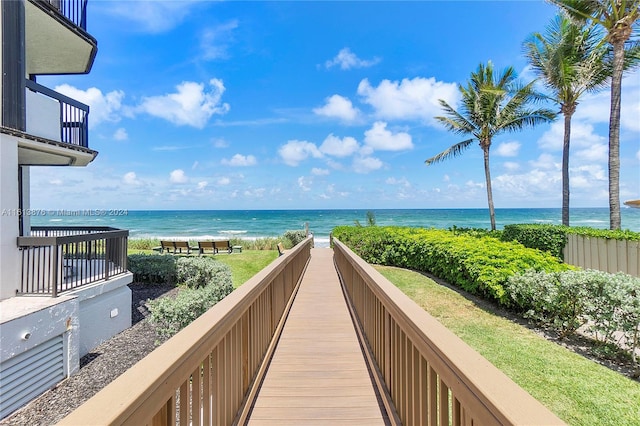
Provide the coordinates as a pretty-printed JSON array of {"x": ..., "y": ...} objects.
[
  {"x": 620, "y": 20},
  {"x": 571, "y": 61},
  {"x": 491, "y": 104}
]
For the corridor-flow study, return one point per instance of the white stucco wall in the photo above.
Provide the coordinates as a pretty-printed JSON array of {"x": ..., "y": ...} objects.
[
  {"x": 10, "y": 258},
  {"x": 105, "y": 310},
  {"x": 56, "y": 317}
]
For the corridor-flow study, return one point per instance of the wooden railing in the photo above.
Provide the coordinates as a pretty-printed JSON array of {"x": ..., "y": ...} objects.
[
  {"x": 432, "y": 377},
  {"x": 57, "y": 259},
  {"x": 202, "y": 375}
]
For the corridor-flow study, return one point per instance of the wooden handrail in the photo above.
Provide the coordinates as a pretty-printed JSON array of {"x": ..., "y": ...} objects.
[
  {"x": 429, "y": 372},
  {"x": 202, "y": 374}
]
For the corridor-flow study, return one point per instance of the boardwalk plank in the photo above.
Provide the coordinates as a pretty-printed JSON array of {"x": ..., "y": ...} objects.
[{"x": 318, "y": 373}]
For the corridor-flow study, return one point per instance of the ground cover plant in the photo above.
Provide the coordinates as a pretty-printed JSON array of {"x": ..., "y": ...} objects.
[{"x": 578, "y": 390}]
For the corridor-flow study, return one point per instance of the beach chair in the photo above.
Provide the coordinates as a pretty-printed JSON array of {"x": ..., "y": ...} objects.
[
  {"x": 183, "y": 247},
  {"x": 169, "y": 246}
]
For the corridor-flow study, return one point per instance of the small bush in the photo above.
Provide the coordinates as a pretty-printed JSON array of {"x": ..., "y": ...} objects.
[
  {"x": 153, "y": 268},
  {"x": 550, "y": 238},
  {"x": 142, "y": 243},
  {"x": 207, "y": 281},
  {"x": 295, "y": 237},
  {"x": 197, "y": 272}
]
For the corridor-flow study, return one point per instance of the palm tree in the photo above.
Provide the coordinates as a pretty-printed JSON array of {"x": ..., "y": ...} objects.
[
  {"x": 491, "y": 104},
  {"x": 619, "y": 18},
  {"x": 571, "y": 61}
]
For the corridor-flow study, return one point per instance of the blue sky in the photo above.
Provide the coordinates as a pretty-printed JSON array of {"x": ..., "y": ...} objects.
[{"x": 307, "y": 105}]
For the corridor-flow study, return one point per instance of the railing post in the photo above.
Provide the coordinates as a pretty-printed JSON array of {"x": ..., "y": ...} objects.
[{"x": 56, "y": 271}]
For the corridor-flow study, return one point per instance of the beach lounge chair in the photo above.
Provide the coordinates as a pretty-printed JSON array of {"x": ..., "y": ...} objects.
[
  {"x": 183, "y": 247},
  {"x": 169, "y": 246}
]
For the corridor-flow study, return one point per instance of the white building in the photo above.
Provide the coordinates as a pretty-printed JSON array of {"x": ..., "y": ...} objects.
[{"x": 62, "y": 290}]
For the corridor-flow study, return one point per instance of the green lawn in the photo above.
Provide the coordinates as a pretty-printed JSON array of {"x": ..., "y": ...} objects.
[{"x": 578, "y": 390}]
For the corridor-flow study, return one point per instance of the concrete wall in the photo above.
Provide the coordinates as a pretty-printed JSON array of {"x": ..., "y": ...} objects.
[
  {"x": 10, "y": 259},
  {"x": 105, "y": 310},
  {"x": 56, "y": 317}
]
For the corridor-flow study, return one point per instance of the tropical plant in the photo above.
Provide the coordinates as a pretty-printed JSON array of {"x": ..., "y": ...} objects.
[
  {"x": 491, "y": 104},
  {"x": 620, "y": 20},
  {"x": 571, "y": 61}
]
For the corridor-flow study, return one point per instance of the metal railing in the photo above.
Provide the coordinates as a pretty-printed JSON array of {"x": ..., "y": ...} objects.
[
  {"x": 74, "y": 123},
  {"x": 74, "y": 10},
  {"x": 204, "y": 374},
  {"x": 57, "y": 259},
  {"x": 431, "y": 376}
]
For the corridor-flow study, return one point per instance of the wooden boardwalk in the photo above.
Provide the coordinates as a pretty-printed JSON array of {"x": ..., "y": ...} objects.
[{"x": 318, "y": 374}]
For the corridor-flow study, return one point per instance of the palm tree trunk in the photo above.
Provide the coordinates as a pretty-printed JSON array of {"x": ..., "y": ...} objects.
[
  {"x": 565, "y": 168},
  {"x": 614, "y": 135},
  {"x": 487, "y": 174}
]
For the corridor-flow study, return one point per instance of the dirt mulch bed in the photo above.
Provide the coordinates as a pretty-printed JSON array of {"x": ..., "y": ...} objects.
[{"x": 99, "y": 367}]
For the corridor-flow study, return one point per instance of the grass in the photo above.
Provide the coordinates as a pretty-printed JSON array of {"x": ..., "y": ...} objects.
[{"x": 579, "y": 391}]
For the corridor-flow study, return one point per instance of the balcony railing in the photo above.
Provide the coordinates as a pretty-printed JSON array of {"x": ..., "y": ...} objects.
[
  {"x": 72, "y": 116},
  {"x": 57, "y": 259},
  {"x": 74, "y": 10}
]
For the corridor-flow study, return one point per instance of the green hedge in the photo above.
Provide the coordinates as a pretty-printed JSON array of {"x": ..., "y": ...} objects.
[
  {"x": 153, "y": 268},
  {"x": 553, "y": 238},
  {"x": 478, "y": 264},
  {"x": 206, "y": 282}
]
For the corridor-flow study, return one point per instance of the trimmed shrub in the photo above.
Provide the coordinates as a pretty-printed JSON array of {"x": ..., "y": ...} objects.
[
  {"x": 153, "y": 268},
  {"x": 478, "y": 264},
  {"x": 609, "y": 304},
  {"x": 207, "y": 281},
  {"x": 295, "y": 237},
  {"x": 142, "y": 243},
  {"x": 549, "y": 238},
  {"x": 197, "y": 272}
]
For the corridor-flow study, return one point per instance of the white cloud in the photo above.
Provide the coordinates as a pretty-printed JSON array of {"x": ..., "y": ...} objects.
[
  {"x": 366, "y": 164},
  {"x": 191, "y": 104},
  {"x": 408, "y": 99},
  {"x": 224, "y": 181},
  {"x": 177, "y": 176},
  {"x": 597, "y": 152},
  {"x": 304, "y": 183},
  {"x": 220, "y": 143},
  {"x": 337, "y": 106},
  {"x": 121, "y": 134},
  {"x": 511, "y": 166},
  {"x": 151, "y": 16},
  {"x": 545, "y": 162},
  {"x": 319, "y": 172},
  {"x": 582, "y": 136},
  {"x": 337, "y": 147},
  {"x": 508, "y": 149},
  {"x": 240, "y": 160},
  {"x": 202, "y": 185},
  {"x": 295, "y": 151},
  {"x": 399, "y": 182},
  {"x": 215, "y": 41},
  {"x": 346, "y": 59},
  {"x": 379, "y": 138},
  {"x": 130, "y": 178},
  {"x": 103, "y": 107}
]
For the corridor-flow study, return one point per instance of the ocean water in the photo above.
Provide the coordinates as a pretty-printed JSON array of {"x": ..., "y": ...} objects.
[{"x": 252, "y": 224}]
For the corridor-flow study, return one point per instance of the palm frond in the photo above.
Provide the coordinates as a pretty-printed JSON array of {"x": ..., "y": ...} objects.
[{"x": 452, "y": 151}]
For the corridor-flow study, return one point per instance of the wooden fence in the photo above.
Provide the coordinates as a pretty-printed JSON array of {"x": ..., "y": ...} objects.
[
  {"x": 603, "y": 254},
  {"x": 202, "y": 375},
  {"x": 431, "y": 376}
]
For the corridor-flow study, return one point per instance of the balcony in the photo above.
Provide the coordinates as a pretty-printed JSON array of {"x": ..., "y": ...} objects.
[
  {"x": 57, "y": 131},
  {"x": 56, "y": 38},
  {"x": 59, "y": 259}
]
